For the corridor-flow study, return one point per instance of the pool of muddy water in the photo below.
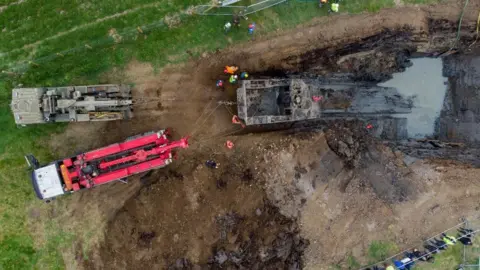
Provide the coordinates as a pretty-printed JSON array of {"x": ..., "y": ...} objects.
[{"x": 425, "y": 83}]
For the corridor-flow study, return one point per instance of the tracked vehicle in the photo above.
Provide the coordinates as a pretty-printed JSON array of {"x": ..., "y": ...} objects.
[
  {"x": 306, "y": 103},
  {"x": 115, "y": 162},
  {"x": 286, "y": 100},
  {"x": 71, "y": 104}
]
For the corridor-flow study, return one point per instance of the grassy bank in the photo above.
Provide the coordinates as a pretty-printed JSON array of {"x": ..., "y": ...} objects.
[
  {"x": 16, "y": 245},
  {"x": 71, "y": 43}
]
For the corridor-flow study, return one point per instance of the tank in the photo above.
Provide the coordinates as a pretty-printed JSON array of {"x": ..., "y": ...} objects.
[
  {"x": 274, "y": 101},
  {"x": 71, "y": 104}
]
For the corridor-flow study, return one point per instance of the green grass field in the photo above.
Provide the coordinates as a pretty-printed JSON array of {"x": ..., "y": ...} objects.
[{"x": 69, "y": 43}]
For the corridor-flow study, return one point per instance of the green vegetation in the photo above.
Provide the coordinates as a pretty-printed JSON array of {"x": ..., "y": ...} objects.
[
  {"x": 371, "y": 6},
  {"x": 352, "y": 262},
  {"x": 16, "y": 244},
  {"x": 194, "y": 33},
  {"x": 448, "y": 259},
  {"x": 453, "y": 257},
  {"x": 88, "y": 46},
  {"x": 380, "y": 250},
  {"x": 6, "y": 2},
  {"x": 17, "y": 252},
  {"x": 57, "y": 16}
]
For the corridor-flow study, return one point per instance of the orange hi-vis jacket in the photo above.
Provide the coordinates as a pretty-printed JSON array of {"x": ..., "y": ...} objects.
[{"x": 231, "y": 69}]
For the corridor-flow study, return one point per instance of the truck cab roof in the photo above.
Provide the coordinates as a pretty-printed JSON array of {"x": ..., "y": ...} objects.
[
  {"x": 46, "y": 182},
  {"x": 26, "y": 105}
]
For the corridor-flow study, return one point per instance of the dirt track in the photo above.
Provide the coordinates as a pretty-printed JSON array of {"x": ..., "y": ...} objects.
[{"x": 275, "y": 196}]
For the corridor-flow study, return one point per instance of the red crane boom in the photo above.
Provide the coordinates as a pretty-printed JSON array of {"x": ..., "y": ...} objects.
[{"x": 114, "y": 162}]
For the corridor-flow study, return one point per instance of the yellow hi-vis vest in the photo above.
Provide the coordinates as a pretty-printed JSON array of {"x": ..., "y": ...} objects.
[
  {"x": 335, "y": 7},
  {"x": 390, "y": 268},
  {"x": 449, "y": 240}
]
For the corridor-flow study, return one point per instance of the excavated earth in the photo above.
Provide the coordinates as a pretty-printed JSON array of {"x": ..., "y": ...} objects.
[{"x": 301, "y": 198}]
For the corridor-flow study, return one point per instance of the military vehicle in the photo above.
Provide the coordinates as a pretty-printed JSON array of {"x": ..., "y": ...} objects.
[
  {"x": 71, "y": 104},
  {"x": 285, "y": 100},
  {"x": 298, "y": 103}
]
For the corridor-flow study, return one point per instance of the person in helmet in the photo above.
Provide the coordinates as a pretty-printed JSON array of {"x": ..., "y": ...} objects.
[
  {"x": 233, "y": 79},
  {"x": 422, "y": 256},
  {"x": 227, "y": 27},
  {"x": 449, "y": 240},
  {"x": 243, "y": 75},
  {"x": 251, "y": 28},
  {"x": 334, "y": 7},
  {"x": 212, "y": 164},
  {"x": 230, "y": 69},
  {"x": 389, "y": 267}
]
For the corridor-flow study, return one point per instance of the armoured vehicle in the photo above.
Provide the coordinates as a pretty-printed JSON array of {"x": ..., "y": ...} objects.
[
  {"x": 284, "y": 100},
  {"x": 303, "y": 101},
  {"x": 71, "y": 103}
]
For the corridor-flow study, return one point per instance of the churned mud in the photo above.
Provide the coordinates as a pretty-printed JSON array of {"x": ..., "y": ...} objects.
[{"x": 306, "y": 197}]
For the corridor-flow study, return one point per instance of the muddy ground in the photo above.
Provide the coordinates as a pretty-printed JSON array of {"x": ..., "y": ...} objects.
[{"x": 279, "y": 199}]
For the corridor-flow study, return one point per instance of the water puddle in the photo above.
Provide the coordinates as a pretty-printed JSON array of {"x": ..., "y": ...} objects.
[{"x": 425, "y": 82}]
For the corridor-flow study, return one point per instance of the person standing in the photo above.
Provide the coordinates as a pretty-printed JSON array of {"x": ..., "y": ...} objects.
[
  {"x": 233, "y": 79},
  {"x": 230, "y": 69},
  {"x": 251, "y": 28},
  {"x": 227, "y": 27},
  {"x": 212, "y": 164},
  {"x": 449, "y": 240},
  {"x": 467, "y": 232},
  {"x": 439, "y": 243},
  {"x": 236, "y": 20},
  {"x": 389, "y": 267},
  {"x": 335, "y": 7},
  {"x": 432, "y": 248},
  {"x": 243, "y": 75},
  {"x": 465, "y": 240}
]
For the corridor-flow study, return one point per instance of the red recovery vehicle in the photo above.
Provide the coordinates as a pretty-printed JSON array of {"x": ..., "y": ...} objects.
[{"x": 115, "y": 162}]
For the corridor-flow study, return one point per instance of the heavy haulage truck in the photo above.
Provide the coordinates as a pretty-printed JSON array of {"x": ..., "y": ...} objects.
[
  {"x": 115, "y": 162},
  {"x": 71, "y": 104}
]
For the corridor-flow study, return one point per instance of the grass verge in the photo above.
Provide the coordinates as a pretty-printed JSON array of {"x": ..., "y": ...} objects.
[
  {"x": 16, "y": 244},
  {"x": 453, "y": 257},
  {"x": 380, "y": 250},
  {"x": 449, "y": 259}
]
